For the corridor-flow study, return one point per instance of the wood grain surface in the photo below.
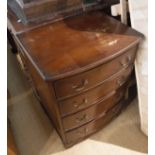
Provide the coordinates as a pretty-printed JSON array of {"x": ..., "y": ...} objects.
[{"x": 77, "y": 44}]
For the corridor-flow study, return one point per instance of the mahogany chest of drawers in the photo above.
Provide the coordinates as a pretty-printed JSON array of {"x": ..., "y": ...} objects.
[{"x": 81, "y": 70}]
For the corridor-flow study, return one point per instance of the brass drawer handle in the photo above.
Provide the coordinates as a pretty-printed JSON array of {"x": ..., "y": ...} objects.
[
  {"x": 85, "y": 101},
  {"x": 80, "y": 119},
  {"x": 83, "y": 132},
  {"x": 128, "y": 60},
  {"x": 121, "y": 81},
  {"x": 80, "y": 87}
]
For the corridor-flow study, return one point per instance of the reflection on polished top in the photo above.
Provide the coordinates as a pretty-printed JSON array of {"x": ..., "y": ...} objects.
[{"x": 76, "y": 44}]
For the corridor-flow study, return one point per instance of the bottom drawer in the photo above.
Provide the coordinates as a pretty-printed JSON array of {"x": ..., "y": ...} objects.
[
  {"x": 93, "y": 112},
  {"x": 76, "y": 135}
]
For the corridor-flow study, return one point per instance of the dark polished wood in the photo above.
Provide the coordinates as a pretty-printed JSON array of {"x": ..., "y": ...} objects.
[
  {"x": 86, "y": 130},
  {"x": 80, "y": 69},
  {"x": 82, "y": 82},
  {"x": 77, "y": 44},
  {"x": 93, "y": 96},
  {"x": 95, "y": 111}
]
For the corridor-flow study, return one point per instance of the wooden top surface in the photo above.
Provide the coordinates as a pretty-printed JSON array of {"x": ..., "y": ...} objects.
[{"x": 76, "y": 44}]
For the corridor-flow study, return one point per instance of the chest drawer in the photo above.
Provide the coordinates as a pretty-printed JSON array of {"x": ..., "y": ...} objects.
[
  {"x": 84, "y": 81},
  {"x": 84, "y": 131},
  {"x": 92, "y": 112},
  {"x": 94, "y": 95}
]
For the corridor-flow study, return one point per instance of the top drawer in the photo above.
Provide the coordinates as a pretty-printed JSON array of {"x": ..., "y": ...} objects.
[{"x": 76, "y": 84}]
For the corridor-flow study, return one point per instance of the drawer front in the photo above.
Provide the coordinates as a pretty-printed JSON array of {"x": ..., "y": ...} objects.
[
  {"x": 84, "y": 131},
  {"x": 76, "y": 84},
  {"x": 94, "y": 95},
  {"x": 92, "y": 112}
]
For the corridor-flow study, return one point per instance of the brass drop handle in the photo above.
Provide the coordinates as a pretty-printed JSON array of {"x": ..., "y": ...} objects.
[
  {"x": 121, "y": 81},
  {"x": 83, "y": 131},
  {"x": 128, "y": 60},
  {"x": 86, "y": 130},
  {"x": 80, "y": 87},
  {"x": 85, "y": 101},
  {"x": 80, "y": 119}
]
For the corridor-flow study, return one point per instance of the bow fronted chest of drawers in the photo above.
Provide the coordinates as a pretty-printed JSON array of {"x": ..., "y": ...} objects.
[{"x": 81, "y": 69}]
